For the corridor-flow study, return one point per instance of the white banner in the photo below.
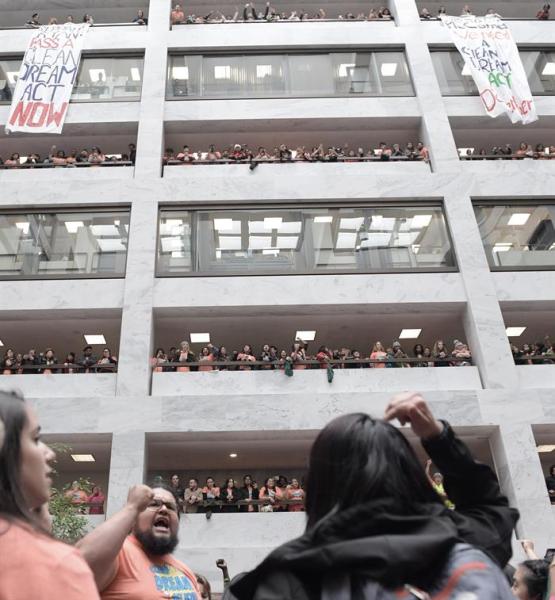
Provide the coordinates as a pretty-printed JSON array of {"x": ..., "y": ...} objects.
[
  {"x": 490, "y": 52},
  {"x": 46, "y": 79}
]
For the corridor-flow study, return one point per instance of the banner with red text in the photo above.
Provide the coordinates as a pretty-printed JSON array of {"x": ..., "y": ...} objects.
[
  {"x": 48, "y": 72},
  {"x": 490, "y": 52}
]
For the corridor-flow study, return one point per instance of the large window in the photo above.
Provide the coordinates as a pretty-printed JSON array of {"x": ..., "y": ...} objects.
[
  {"x": 274, "y": 75},
  {"x": 455, "y": 78},
  {"x": 63, "y": 244},
  {"x": 518, "y": 236},
  {"x": 100, "y": 79},
  {"x": 307, "y": 240}
]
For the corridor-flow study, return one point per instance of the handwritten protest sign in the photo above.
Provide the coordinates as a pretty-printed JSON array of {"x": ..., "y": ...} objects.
[
  {"x": 489, "y": 51},
  {"x": 46, "y": 79}
]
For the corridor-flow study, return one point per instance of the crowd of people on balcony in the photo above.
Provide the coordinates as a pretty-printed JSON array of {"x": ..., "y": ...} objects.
[
  {"x": 91, "y": 502},
  {"x": 241, "y": 153},
  {"x": 538, "y": 353},
  {"x": 507, "y": 152},
  {"x": 299, "y": 358},
  {"x": 427, "y": 15},
  {"x": 270, "y": 14},
  {"x": 35, "y": 20},
  {"x": 92, "y": 157},
  {"x": 46, "y": 363}
]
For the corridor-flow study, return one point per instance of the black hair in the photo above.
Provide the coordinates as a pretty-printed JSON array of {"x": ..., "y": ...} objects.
[
  {"x": 13, "y": 419},
  {"x": 551, "y": 467},
  {"x": 536, "y": 576},
  {"x": 159, "y": 484},
  {"x": 357, "y": 458}
]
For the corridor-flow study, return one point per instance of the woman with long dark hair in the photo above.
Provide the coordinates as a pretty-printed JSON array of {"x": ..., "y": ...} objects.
[
  {"x": 32, "y": 564},
  {"x": 374, "y": 522}
]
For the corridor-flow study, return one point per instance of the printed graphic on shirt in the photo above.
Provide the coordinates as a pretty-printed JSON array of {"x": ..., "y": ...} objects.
[{"x": 173, "y": 583}]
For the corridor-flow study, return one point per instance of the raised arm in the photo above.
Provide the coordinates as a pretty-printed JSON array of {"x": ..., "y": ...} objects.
[
  {"x": 428, "y": 472},
  {"x": 483, "y": 516},
  {"x": 100, "y": 548}
]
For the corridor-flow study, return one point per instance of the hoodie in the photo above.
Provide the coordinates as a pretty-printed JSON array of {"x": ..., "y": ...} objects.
[{"x": 376, "y": 541}]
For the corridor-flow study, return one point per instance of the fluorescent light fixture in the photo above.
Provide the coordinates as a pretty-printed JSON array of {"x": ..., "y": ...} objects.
[
  {"x": 519, "y": 219},
  {"x": 73, "y": 226},
  {"x": 259, "y": 242},
  {"x": 546, "y": 448},
  {"x": 229, "y": 242},
  {"x": 287, "y": 242},
  {"x": 466, "y": 71},
  {"x": 111, "y": 245},
  {"x": 223, "y": 224},
  {"x": 83, "y": 457},
  {"x": 12, "y": 76},
  {"x": 218, "y": 254},
  {"x": 409, "y": 334},
  {"x": 95, "y": 74},
  {"x": 272, "y": 222},
  {"x": 233, "y": 455},
  {"x": 389, "y": 69},
  {"x": 200, "y": 338},
  {"x": 344, "y": 69},
  {"x": 263, "y": 70},
  {"x": 515, "y": 331},
  {"x": 24, "y": 226},
  {"x": 502, "y": 246},
  {"x": 222, "y": 72},
  {"x": 549, "y": 69},
  {"x": 290, "y": 227},
  {"x": 135, "y": 74},
  {"x": 180, "y": 72},
  {"x": 94, "y": 339},
  {"x": 346, "y": 241},
  {"x": 177, "y": 254},
  {"x": 171, "y": 244},
  {"x": 352, "y": 223},
  {"x": 323, "y": 219},
  {"x": 305, "y": 336},
  {"x": 271, "y": 251},
  {"x": 104, "y": 230},
  {"x": 419, "y": 221}
]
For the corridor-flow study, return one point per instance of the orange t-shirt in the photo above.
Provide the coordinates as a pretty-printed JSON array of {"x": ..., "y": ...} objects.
[
  {"x": 150, "y": 577},
  {"x": 33, "y": 565}
]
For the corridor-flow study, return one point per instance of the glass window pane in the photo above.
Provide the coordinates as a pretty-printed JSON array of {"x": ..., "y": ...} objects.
[
  {"x": 282, "y": 75},
  {"x": 518, "y": 236},
  {"x": 303, "y": 240},
  {"x": 105, "y": 79},
  {"x": 80, "y": 243},
  {"x": 9, "y": 70},
  {"x": 456, "y": 80}
]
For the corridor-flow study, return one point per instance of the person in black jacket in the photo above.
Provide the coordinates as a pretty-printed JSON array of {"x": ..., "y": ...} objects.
[
  {"x": 249, "y": 492},
  {"x": 230, "y": 495},
  {"x": 372, "y": 516}
]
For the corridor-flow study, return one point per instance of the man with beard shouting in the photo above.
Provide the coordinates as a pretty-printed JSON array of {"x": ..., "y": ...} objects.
[{"x": 140, "y": 564}]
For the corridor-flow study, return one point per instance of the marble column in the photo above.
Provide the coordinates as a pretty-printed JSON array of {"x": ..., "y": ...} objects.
[
  {"x": 405, "y": 12},
  {"x": 127, "y": 467},
  {"x": 521, "y": 477},
  {"x": 482, "y": 319},
  {"x": 435, "y": 128},
  {"x": 136, "y": 341}
]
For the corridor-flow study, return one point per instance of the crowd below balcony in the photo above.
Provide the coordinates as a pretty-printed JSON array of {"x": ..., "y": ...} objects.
[
  {"x": 426, "y": 15},
  {"x": 212, "y": 358},
  {"x": 35, "y": 20},
  {"x": 241, "y": 153},
  {"x": 46, "y": 363},
  {"x": 271, "y": 15},
  {"x": 59, "y": 158},
  {"x": 506, "y": 152},
  {"x": 538, "y": 353}
]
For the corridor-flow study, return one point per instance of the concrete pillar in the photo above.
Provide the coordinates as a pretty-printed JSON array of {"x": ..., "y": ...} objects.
[
  {"x": 405, "y": 12},
  {"x": 150, "y": 137},
  {"x": 136, "y": 338},
  {"x": 483, "y": 320},
  {"x": 435, "y": 130},
  {"x": 127, "y": 467},
  {"x": 521, "y": 478}
]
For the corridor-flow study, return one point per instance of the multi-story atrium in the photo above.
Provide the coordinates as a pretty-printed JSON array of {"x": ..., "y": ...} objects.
[{"x": 143, "y": 249}]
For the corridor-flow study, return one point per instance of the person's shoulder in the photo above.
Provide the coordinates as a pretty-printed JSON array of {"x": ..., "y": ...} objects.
[{"x": 278, "y": 584}]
